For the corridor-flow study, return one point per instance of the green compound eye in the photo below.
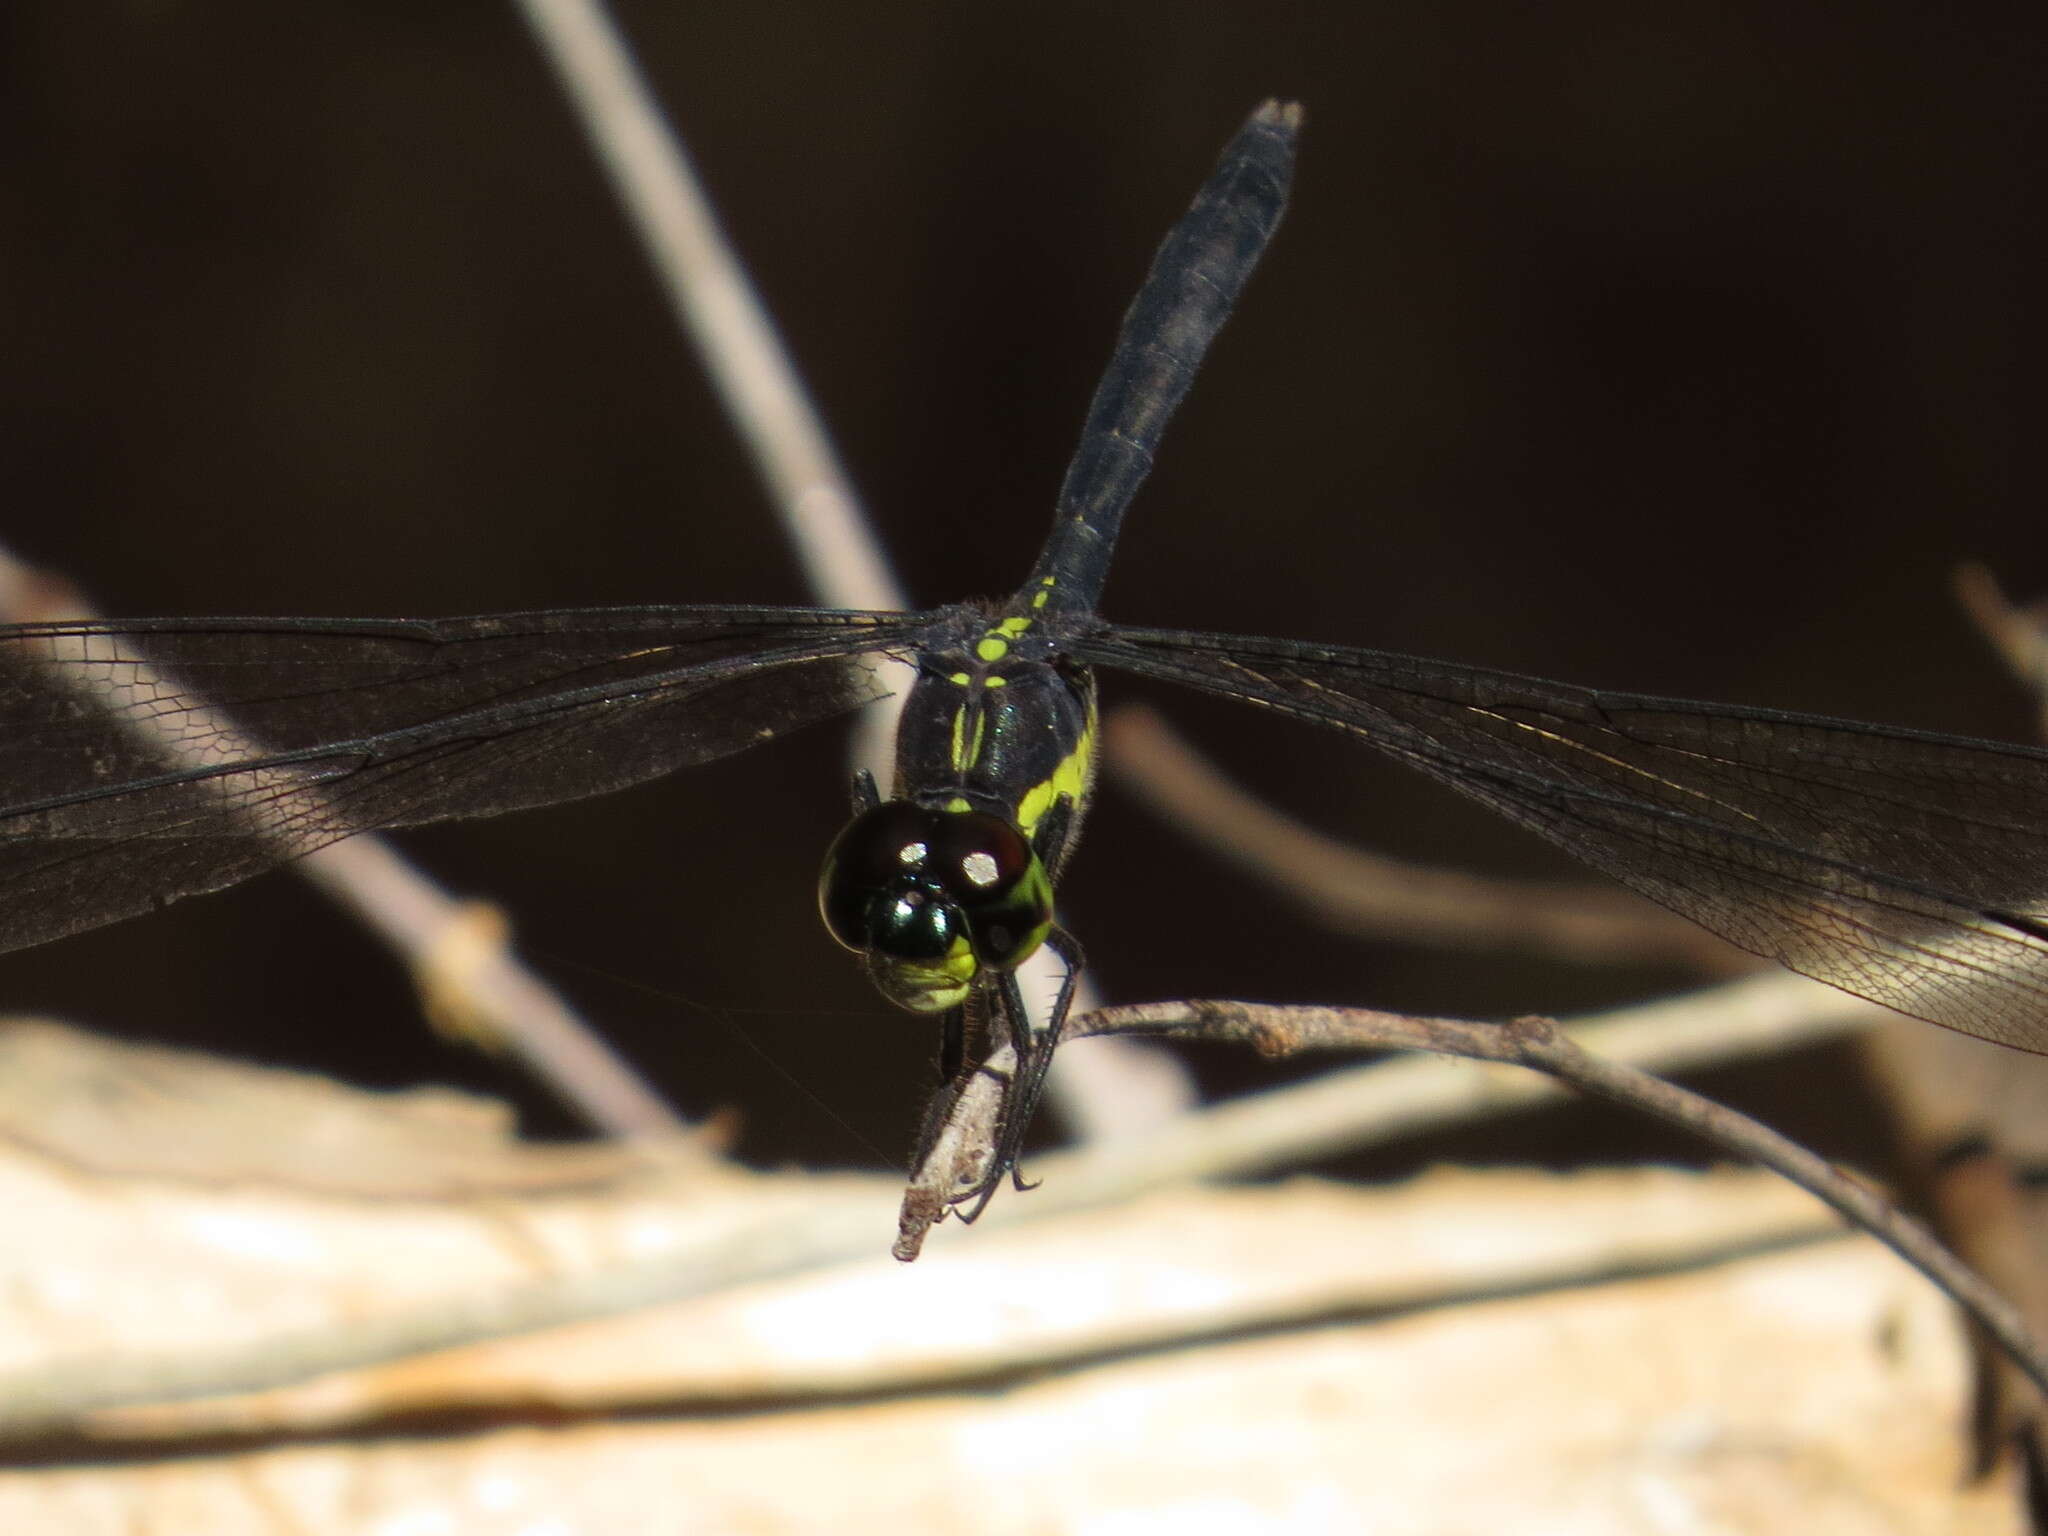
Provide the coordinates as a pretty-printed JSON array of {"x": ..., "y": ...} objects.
[{"x": 912, "y": 926}]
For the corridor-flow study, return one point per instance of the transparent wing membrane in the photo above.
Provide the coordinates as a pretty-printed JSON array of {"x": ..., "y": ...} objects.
[
  {"x": 1908, "y": 868},
  {"x": 126, "y": 785}
]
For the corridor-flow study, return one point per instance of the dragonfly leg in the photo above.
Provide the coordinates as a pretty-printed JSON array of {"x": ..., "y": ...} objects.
[
  {"x": 969, "y": 1203},
  {"x": 1034, "y": 1051},
  {"x": 1049, "y": 839},
  {"x": 1032, "y": 1069},
  {"x": 952, "y": 1044},
  {"x": 866, "y": 796}
]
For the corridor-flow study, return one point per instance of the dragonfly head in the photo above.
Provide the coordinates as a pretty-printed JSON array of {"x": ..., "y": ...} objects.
[{"x": 933, "y": 899}]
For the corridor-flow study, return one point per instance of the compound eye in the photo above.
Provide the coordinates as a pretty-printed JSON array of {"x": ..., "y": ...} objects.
[
  {"x": 909, "y": 884},
  {"x": 978, "y": 858},
  {"x": 987, "y": 868},
  {"x": 911, "y": 925},
  {"x": 882, "y": 851}
]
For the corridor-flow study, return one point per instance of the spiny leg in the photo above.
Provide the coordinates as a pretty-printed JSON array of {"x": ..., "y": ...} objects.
[
  {"x": 985, "y": 1002},
  {"x": 1032, "y": 1069},
  {"x": 1033, "y": 1051},
  {"x": 1049, "y": 838},
  {"x": 866, "y": 796},
  {"x": 952, "y": 1045}
]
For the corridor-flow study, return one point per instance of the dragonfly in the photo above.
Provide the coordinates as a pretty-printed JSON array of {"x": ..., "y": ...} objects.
[{"x": 1905, "y": 867}]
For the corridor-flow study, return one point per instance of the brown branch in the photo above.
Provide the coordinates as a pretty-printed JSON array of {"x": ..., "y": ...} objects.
[
  {"x": 464, "y": 970},
  {"x": 957, "y": 1154},
  {"x": 2018, "y": 634},
  {"x": 1539, "y": 1044},
  {"x": 1378, "y": 1102}
]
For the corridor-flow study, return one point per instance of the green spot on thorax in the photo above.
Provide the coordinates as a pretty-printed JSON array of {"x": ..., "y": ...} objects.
[{"x": 995, "y": 643}]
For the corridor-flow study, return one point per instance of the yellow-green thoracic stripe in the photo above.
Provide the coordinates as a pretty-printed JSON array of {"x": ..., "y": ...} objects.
[{"x": 1069, "y": 778}]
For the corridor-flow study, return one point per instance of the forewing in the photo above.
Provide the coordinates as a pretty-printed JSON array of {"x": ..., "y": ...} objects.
[
  {"x": 1904, "y": 867},
  {"x": 144, "y": 762}
]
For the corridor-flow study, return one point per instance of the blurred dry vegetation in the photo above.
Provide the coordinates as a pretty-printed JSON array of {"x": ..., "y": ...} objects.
[
  {"x": 1684, "y": 348},
  {"x": 679, "y": 1347}
]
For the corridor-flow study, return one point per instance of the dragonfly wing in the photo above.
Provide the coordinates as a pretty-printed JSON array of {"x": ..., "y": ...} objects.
[
  {"x": 1903, "y": 867},
  {"x": 148, "y": 762}
]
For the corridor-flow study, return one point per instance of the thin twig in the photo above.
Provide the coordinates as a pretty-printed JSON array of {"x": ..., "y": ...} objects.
[
  {"x": 1350, "y": 1108},
  {"x": 1539, "y": 1044},
  {"x": 958, "y": 1157},
  {"x": 711, "y": 297},
  {"x": 2019, "y": 635},
  {"x": 487, "y": 988},
  {"x": 1945, "y": 1096}
]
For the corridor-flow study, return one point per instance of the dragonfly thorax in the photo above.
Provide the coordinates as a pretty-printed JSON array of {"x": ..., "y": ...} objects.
[{"x": 934, "y": 899}]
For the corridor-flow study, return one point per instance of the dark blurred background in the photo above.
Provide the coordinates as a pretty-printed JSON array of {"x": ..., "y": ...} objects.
[{"x": 1682, "y": 348}]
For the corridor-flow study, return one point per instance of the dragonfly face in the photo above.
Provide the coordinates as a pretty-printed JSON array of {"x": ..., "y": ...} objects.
[{"x": 935, "y": 900}]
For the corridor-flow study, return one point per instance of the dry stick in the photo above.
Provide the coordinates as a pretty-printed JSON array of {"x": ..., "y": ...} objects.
[
  {"x": 714, "y": 302},
  {"x": 459, "y": 958},
  {"x": 1378, "y": 1102},
  {"x": 1115, "y": 1089},
  {"x": 1979, "y": 1199},
  {"x": 1539, "y": 1044},
  {"x": 2018, "y": 634},
  {"x": 1346, "y": 888},
  {"x": 958, "y": 1157}
]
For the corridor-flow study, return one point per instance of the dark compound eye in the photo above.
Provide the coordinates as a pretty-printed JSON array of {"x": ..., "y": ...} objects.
[
  {"x": 904, "y": 882},
  {"x": 987, "y": 866},
  {"x": 978, "y": 857},
  {"x": 883, "y": 850}
]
